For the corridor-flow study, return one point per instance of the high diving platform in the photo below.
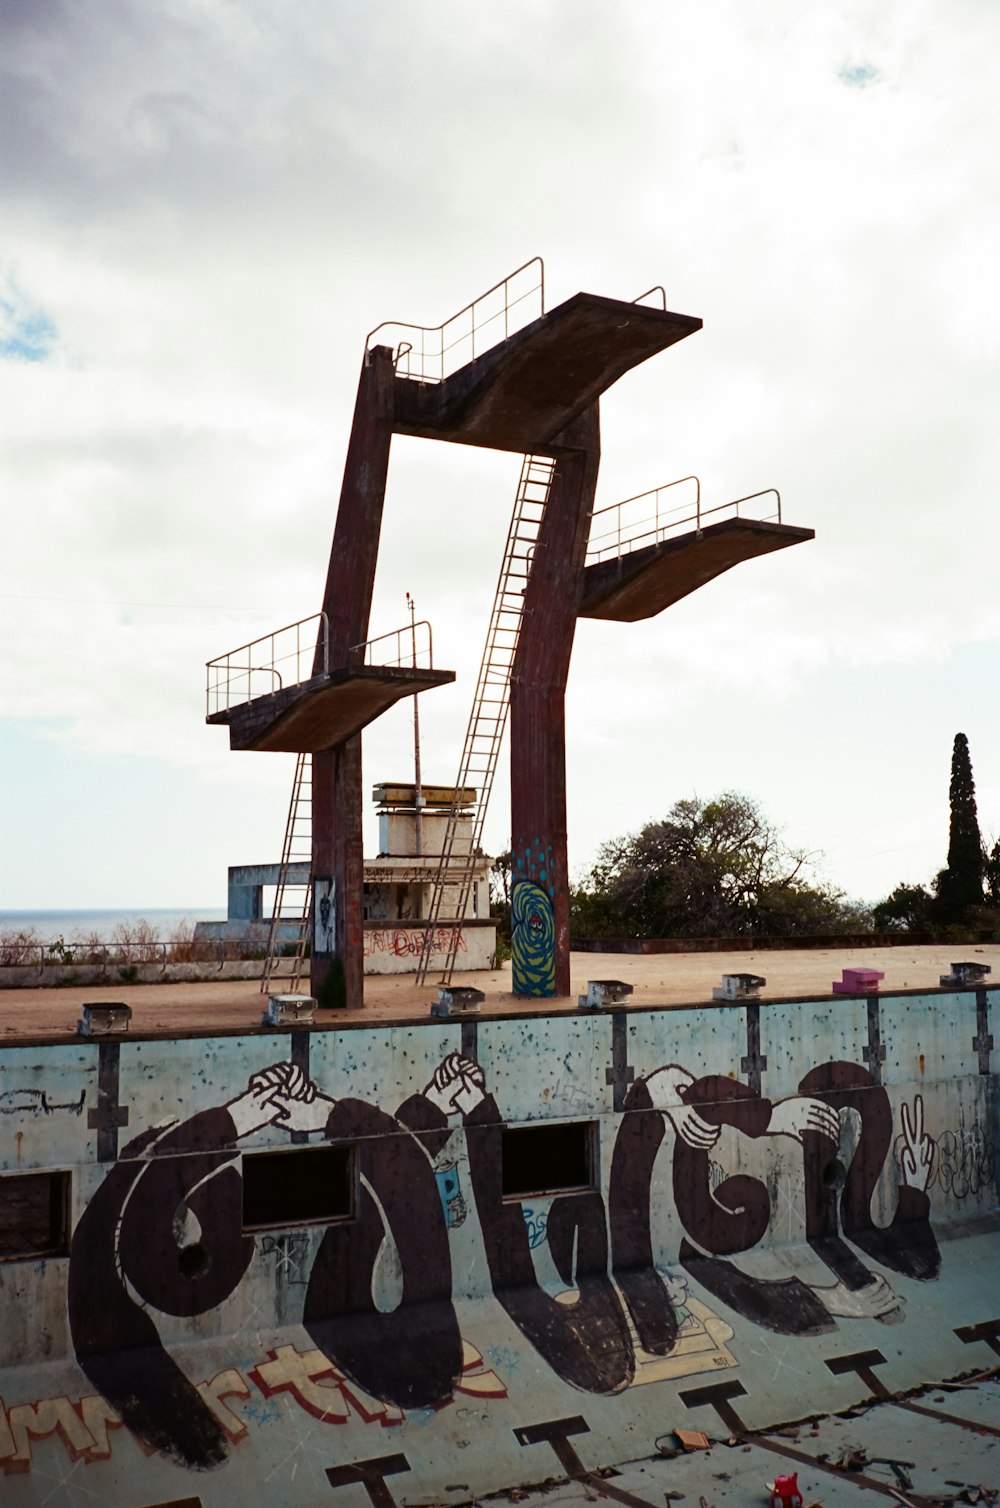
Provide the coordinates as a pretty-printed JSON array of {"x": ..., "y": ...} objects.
[
  {"x": 505, "y": 373},
  {"x": 521, "y": 394}
]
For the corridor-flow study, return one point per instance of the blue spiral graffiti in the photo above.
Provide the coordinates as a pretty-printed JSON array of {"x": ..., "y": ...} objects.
[{"x": 532, "y": 943}]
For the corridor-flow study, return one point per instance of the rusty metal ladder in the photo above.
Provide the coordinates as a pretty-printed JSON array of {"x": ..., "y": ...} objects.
[
  {"x": 292, "y": 915},
  {"x": 488, "y": 718}
]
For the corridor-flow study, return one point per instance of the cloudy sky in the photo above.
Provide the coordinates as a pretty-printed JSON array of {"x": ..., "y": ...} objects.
[{"x": 206, "y": 205}]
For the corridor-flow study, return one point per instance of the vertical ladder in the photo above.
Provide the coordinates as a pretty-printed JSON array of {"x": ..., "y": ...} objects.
[
  {"x": 488, "y": 718},
  {"x": 292, "y": 915}
]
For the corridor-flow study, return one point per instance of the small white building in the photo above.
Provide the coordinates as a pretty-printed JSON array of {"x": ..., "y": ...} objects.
[{"x": 398, "y": 885}]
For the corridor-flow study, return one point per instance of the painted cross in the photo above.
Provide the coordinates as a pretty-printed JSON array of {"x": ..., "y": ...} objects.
[
  {"x": 755, "y": 1062},
  {"x": 983, "y": 1040},
  {"x": 371, "y": 1475},
  {"x": 300, "y": 1058},
  {"x": 470, "y": 1040},
  {"x": 109, "y": 1116},
  {"x": 620, "y": 1075},
  {"x": 988, "y": 1331},
  {"x": 557, "y": 1434},
  {"x": 874, "y": 1053},
  {"x": 861, "y": 1363},
  {"x": 718, "y": 1395}
]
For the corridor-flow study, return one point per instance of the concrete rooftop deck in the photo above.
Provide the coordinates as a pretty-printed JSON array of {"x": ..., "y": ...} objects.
[{"x": 662, "y": 980}]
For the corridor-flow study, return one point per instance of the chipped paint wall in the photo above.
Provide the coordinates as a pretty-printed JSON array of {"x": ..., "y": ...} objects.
[{"x": 775, "y": 1188}]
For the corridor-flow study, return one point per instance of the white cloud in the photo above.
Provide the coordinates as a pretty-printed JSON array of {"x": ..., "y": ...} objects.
[{"x": 207, "y": 206}]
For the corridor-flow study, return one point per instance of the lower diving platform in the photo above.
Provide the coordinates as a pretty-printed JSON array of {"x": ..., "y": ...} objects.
[
  {"x": 637, "y": 568},
  {"x": 317, "y": 709}
]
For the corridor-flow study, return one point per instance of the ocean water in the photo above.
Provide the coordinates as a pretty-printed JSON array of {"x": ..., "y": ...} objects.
[{"x": 48, "y": 925}]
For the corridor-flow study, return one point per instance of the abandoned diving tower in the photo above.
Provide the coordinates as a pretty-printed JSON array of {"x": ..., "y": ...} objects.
[{"x": 507, "y": 374}]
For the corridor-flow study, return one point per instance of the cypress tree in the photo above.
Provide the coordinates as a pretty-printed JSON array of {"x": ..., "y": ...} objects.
[{"x": 960, "y": 883}]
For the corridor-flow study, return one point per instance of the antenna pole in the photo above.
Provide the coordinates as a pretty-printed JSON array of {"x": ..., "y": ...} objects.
[{"x": 419, "y": 798}]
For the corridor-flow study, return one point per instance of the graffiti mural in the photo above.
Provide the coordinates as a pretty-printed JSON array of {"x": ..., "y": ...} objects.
[
  {"x": 164, "y": 1235},
  {"x": 965, "y": 1161},
  {"x": 308, "y": 1378},
  {"x": 451, "y": 1279},
  {"x": 408, "y": 942},
  {"x": 532, "y": 942}
]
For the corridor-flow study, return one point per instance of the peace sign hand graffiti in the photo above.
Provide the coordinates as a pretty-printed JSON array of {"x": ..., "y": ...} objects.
[{"x": 916, "y": 1160}]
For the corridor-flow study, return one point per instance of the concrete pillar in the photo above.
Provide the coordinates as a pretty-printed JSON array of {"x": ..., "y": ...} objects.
[
  {"x": 337, "y": 965},
  {"x": 540, "y": 869}
]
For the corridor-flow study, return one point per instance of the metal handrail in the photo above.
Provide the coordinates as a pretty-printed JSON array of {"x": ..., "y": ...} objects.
[
  {"x": 652, "y": 529},
  {"x": 769, "y": 518},
  {"x": 414, "y": 654},
  {"x": 431, "y": 354},
  {"x": 81, "y": 954},
  {"x": 597, "y": 551},
  {"x": 656, "y": 288},
  {"x": 229, "y": 682}
]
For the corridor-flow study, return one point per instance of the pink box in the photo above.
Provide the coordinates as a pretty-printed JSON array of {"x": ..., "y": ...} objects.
[{"x": 857, "y": 981}]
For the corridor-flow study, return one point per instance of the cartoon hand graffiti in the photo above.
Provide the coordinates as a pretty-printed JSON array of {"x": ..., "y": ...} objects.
[
  {"x": 280, "y": 1096},
  {"x": 916, "y": 1160},
  {"x": 665, "y": 1087},
  {"x": 458, "y": 1085},
  {"x": 793, "y": 1116}
]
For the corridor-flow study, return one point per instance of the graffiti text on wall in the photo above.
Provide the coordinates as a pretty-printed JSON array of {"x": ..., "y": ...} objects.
[
  {"x": 408, "y": 942},
  {"x": 307, "y": 1377}
]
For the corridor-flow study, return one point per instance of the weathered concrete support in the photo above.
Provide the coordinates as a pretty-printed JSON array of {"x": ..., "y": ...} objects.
[
  {"x": 540, "y": 895},
  {"x": 336, "y": 970}
]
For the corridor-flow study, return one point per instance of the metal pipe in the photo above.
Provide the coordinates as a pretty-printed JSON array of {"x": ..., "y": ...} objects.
[
  {"x": 470, "y": 308},
  {"x": 417, "y": 784}
]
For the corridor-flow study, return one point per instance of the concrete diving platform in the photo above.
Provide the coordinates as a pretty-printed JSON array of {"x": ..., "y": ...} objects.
[
  {"x": 325, "y": 710},
  {"x": 521, "y": 393},
  {"x": 642, "y": 582},
  {"x": 280, "y": 692}
]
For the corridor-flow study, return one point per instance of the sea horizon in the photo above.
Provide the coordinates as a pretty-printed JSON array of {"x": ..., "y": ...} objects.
[{"x": 67, "y": 923}]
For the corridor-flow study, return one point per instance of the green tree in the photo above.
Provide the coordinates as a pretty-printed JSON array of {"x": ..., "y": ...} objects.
[
  {"x": 991, "y": 876},
  {"x": 500, "y": 872},
  {"x": 960, "y": 884},
  {"x": 909, "y": 908},
  {"x": 709, "y": 869}
]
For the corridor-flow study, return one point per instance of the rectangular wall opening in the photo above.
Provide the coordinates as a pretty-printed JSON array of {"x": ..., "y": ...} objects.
[
  {"x": 305, "y": 1186},
  {"x": 34, "y": 1216},
  {"x": 540, "y": 1159}
]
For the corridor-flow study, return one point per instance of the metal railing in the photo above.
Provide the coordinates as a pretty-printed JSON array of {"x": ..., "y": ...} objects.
[
  {"x": 431, "y": 354},
  {"x": 640, "y": 521},
  {"x": 412, "y": 645},
  {"x": 123, "y": 957},
  {"x": 656, "y": 288},
  {"x": 253, "y": 670}
]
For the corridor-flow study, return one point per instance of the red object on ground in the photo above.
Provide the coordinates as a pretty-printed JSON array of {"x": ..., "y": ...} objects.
[{"x": 785, "y": 1493}]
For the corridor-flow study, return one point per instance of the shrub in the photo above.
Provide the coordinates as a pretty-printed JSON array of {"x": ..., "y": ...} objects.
[
  {"x": 18, "y": 947},
  {"x": 136, "y": 942},
  {"x": 185, "y": 947}
]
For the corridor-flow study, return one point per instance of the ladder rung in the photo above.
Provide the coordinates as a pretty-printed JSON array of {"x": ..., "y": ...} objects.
[{"x": 485, "y": 731}]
